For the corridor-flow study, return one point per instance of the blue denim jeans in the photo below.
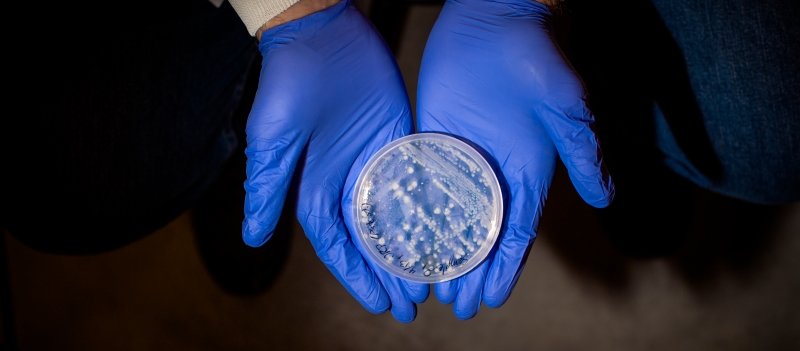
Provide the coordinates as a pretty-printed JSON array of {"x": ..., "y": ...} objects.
[
  {"x": 743, "y": 65},
  {"x": 707, "y": 89},
  {"x": 125, "y": 120}
]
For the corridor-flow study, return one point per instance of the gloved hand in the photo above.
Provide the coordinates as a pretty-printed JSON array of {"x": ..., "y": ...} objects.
[
  {"x": 330, "y": 95},
  {"x": 492, "y": 74}
]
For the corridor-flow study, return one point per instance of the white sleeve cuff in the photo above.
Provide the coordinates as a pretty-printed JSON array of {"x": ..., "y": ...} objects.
[{"x": 254, "y": 13}]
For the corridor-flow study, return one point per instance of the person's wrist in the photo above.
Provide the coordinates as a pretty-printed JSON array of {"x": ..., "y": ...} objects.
[
  {"x": 550, "y": 3},
  {"x": 299, "y": 10}
]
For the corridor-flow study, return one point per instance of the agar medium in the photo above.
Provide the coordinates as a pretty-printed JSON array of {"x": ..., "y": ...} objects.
[{"x": 427, "y": 208}]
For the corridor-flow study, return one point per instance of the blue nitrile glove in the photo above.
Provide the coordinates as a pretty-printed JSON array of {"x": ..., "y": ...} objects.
[
  {"x": 329, "y": 96},
  {"x": 492, "y": 74}
]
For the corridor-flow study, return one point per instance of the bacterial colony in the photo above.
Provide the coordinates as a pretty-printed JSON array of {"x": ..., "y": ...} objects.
[{"x": 428, "y": 210}]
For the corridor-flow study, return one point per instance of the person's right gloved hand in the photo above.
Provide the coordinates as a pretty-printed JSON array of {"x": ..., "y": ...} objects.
[
  {"x": 492, "y": 74},
  {"x": 330, "y": 95}
]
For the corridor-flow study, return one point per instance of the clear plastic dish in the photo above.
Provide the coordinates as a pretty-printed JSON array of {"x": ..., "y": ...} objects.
[{"x": 427, "y": 208}]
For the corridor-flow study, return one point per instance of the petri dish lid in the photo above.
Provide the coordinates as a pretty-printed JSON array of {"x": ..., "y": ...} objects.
[{"x": 427, "y": 208}]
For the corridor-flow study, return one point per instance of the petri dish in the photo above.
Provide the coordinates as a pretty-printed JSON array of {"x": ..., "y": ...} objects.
[{"x": 427, "y": 208}]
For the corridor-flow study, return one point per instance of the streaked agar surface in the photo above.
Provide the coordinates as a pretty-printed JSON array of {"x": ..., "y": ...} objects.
[{"x": 428, "y": 207}]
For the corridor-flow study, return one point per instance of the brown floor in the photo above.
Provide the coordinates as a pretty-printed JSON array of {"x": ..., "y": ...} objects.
[
  {"x": 729, "y": 286},
  {"x": 156, "y": 295}
]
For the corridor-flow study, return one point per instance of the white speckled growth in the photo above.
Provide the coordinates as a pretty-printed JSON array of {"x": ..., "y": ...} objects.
[{"x": 428, "y": 207}]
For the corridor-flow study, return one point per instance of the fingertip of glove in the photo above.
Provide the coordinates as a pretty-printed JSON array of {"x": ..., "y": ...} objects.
[
  {"x": 254, "y": 234},
  {"x": 465, "y": 314},
  {"x": 418, "y": 293},
  {"x": 445, "y": 294},
  {"x": 597, "y": 191},
  {"x": 599, "y": 203},
  {"x": 494, "y": 301},
  {"x": 405, "y": 315},
  {"x": 378, "y": 307},
  {"x": 603, "y": 197},
  {"x": 420, "y": 297}
]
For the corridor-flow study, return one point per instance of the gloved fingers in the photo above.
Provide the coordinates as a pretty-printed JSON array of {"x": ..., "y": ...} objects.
[
  {"x": 417, "y": 292},
  {"x": 468, "y": 300},
  {"x": 403, "y": 308},
  {"x": 270, "y": 165},
  {"x": 579, "y": 150},
  {"x": 332, "y": 244},
  {"x": 403, "y": 294},
  {"x": 446, "y": 292},
  {"x": 526, "y": 206},
  {"x": 464, "y": 292}
]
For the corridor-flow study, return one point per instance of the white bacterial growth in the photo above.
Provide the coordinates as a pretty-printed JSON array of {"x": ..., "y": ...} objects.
[{"x": 428, "y": 208}]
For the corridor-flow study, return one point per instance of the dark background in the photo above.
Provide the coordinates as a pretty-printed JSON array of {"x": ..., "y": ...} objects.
[{"x": 674, "y": 268}]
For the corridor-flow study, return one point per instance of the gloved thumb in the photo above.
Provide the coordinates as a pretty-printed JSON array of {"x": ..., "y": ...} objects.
[
  {"x": 579, "y": 150},
  {"x": 271, "y": 161}
]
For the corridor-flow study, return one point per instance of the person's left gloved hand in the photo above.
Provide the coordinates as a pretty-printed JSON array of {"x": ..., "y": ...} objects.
[
  {"x": 491, "y": 74},
  {"x": 329, "y": 96}
]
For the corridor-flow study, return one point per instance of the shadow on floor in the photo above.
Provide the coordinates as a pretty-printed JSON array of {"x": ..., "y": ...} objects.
[
  {"x": 633, "y": 69},
  {"x": 703, "y": 236},
  {"x": 217, "y": 221}
]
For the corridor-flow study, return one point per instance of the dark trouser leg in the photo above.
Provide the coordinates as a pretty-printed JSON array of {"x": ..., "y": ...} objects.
[
  {"x": 742, "y": 63},
  {"x": 688, "y": 95},
  {"x": 124, "y": 119}
]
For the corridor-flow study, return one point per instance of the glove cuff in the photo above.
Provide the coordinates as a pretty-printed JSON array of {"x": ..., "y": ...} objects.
[{"x": 254, "y": 13}]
